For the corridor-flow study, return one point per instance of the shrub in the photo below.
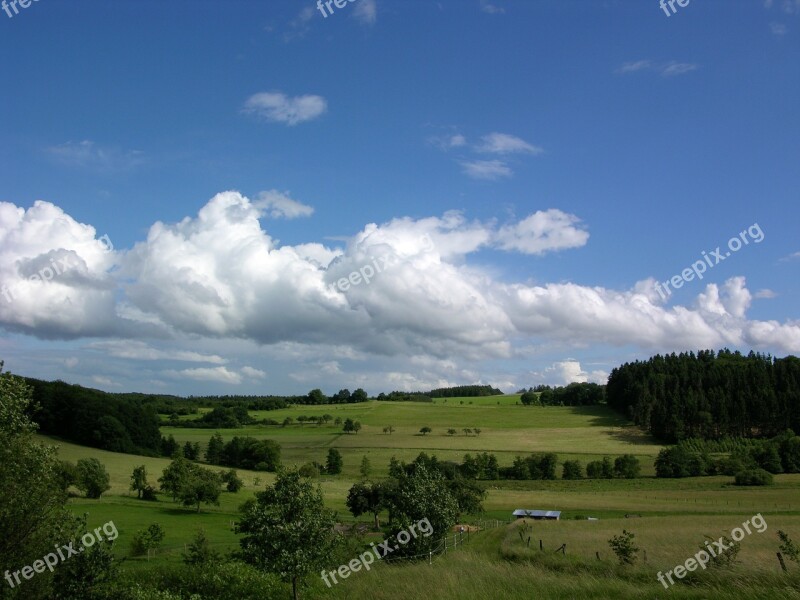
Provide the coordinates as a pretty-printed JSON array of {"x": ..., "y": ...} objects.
[
  {"x": 725, "y": 558},
  {"x": 572, "y": 470},
  {"x": 147, "y": 539},
  {"x": 309, "y": 470},
  {"x": 149, "y": 493},
  {"x": 627, "y": 466},
  {"x": 199, "y": 550},
  {"x": 787, "y": 547},
  {"x": 624, "y": 547},
  {"x": 753, "y": 477}
]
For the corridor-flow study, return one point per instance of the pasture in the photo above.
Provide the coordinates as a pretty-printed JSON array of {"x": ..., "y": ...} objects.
[{"x": 672, "y": 515}]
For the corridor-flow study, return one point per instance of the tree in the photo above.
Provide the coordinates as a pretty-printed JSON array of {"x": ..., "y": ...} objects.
[
  {"x": 422, "y": 495},
  {"x": 66, "y": 474},
  {"x": 425, "y": 430},
  {"x": 337, "y": 421},
  {"x": 169, "y": 446},
  {"x": 33, "y": 517},
  {"x": 467, "y": 430},
  {"x": 199, "y": 551},
  {"x": 287, "y": 421},
  {"x": 232, "y": 481},
  {"x": 529, "y": 398},
  {"x": 395, "y": 468},
  {"x": 365, "y": 467},
  {"x": 316, "y": 397},
  {"x": 139, "y": 480},
  {"x": 627, "y": 466},
  {"x": 451, "y": 431},
  {"x": 333, "y": 464},
  {"x": 201, "y": 486},
  {"x": 389, "y": 429},
  {"x": 214, "y": 449},
  {"x": 468, "y": 495},
  {"x": 359, "y": 396},
  {"x": 191, "y": 451},
  {"x": 87, "y": 572},
  {"x": 288, "y": 531},
  {"x": 366, "y": 498},
  {"x": 147, "y": 539},
  {"x": 607, "y": 468},
  {"x": 477, "y": 431},
  {"x": 572, "y": 470},
  {"x": 93, "y": 478},
  {"x": 351, "y": 426},
  {"x": 175, "y": 475}
]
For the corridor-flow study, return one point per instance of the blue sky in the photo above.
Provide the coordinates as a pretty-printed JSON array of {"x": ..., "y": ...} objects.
[{"x": 525, "y": 170}]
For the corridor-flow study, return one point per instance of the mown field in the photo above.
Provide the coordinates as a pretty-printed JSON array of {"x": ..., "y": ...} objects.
[{"x": 669, "y": 517}]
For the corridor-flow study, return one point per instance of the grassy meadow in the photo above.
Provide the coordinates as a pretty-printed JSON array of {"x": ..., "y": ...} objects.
[{"x": 669, "y": 517}]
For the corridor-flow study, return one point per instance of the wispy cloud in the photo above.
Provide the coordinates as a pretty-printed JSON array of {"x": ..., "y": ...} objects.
[
  {"x": 298, "y": 27},
  {"x": 503, "y": 143},
  {"x": 280, "y": 108},
  {"x": 766, "y": 294},
  {"x": 280, "y": 205},
  {"x": 795, "y": 256},
  {"x": 492, "y": 9},
  {"x": 669, "y": 69},
  {"x": 673, "y": 68},
  {"x": 89, "y": 155},
  {"x": 778, "y": 29},
  {"x": 486, "y": 169},
  {"x": 446, "y": 142},
  {"x": 638, "y": 65},
  {"x": 366, "y": 11}
]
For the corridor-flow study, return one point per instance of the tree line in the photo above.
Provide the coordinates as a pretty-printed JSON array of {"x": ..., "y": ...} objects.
[
  {"x": 708, "y": 395},
  {"x": 95, "y": 418},
  {"x": 574, "y": 394}
]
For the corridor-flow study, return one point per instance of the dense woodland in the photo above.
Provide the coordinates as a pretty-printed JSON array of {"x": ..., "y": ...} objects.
[
  {"x": 709, "y": 396},
  {"x": 94, "y": 418}
]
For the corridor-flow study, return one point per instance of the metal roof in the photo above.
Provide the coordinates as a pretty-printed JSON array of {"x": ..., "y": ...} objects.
[{"x": 538, "y": 514}]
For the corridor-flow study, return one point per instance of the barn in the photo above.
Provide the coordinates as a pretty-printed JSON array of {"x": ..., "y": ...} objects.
[{"x": 539, "y": 515}]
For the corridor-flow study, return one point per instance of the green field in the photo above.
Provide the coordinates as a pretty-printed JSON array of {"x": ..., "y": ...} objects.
[{"x": 671, "y": 516}]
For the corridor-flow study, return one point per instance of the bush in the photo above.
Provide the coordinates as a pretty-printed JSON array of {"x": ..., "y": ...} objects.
[
  {"x": 753, "y": 477},
  {"x": 149, "y": 493},
  {"x": 147, "y": 539},
  {"x": 572, "y": 470},
  {"x": 787, "y": 547},
  {"x": 309, "y": 470},
  {"x": 199, "y": 551},
  {"x": 725, "y": 558},
  {"x": 624, "y": 547},
  {"x": 232, "y": 481},
  {"x": 627, "y": 466},
  {"x": 93, "y": 478}
]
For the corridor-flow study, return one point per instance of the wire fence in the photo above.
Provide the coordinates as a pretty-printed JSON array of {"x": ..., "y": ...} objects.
[
  {"x": 448, "y": 543},
  {"x": 451, "y": 543}
]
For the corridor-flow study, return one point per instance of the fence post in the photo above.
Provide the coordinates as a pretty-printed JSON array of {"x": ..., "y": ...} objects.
[
  {"x": 780, "y": 559},
  {"x": 541, "y": 546}
]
